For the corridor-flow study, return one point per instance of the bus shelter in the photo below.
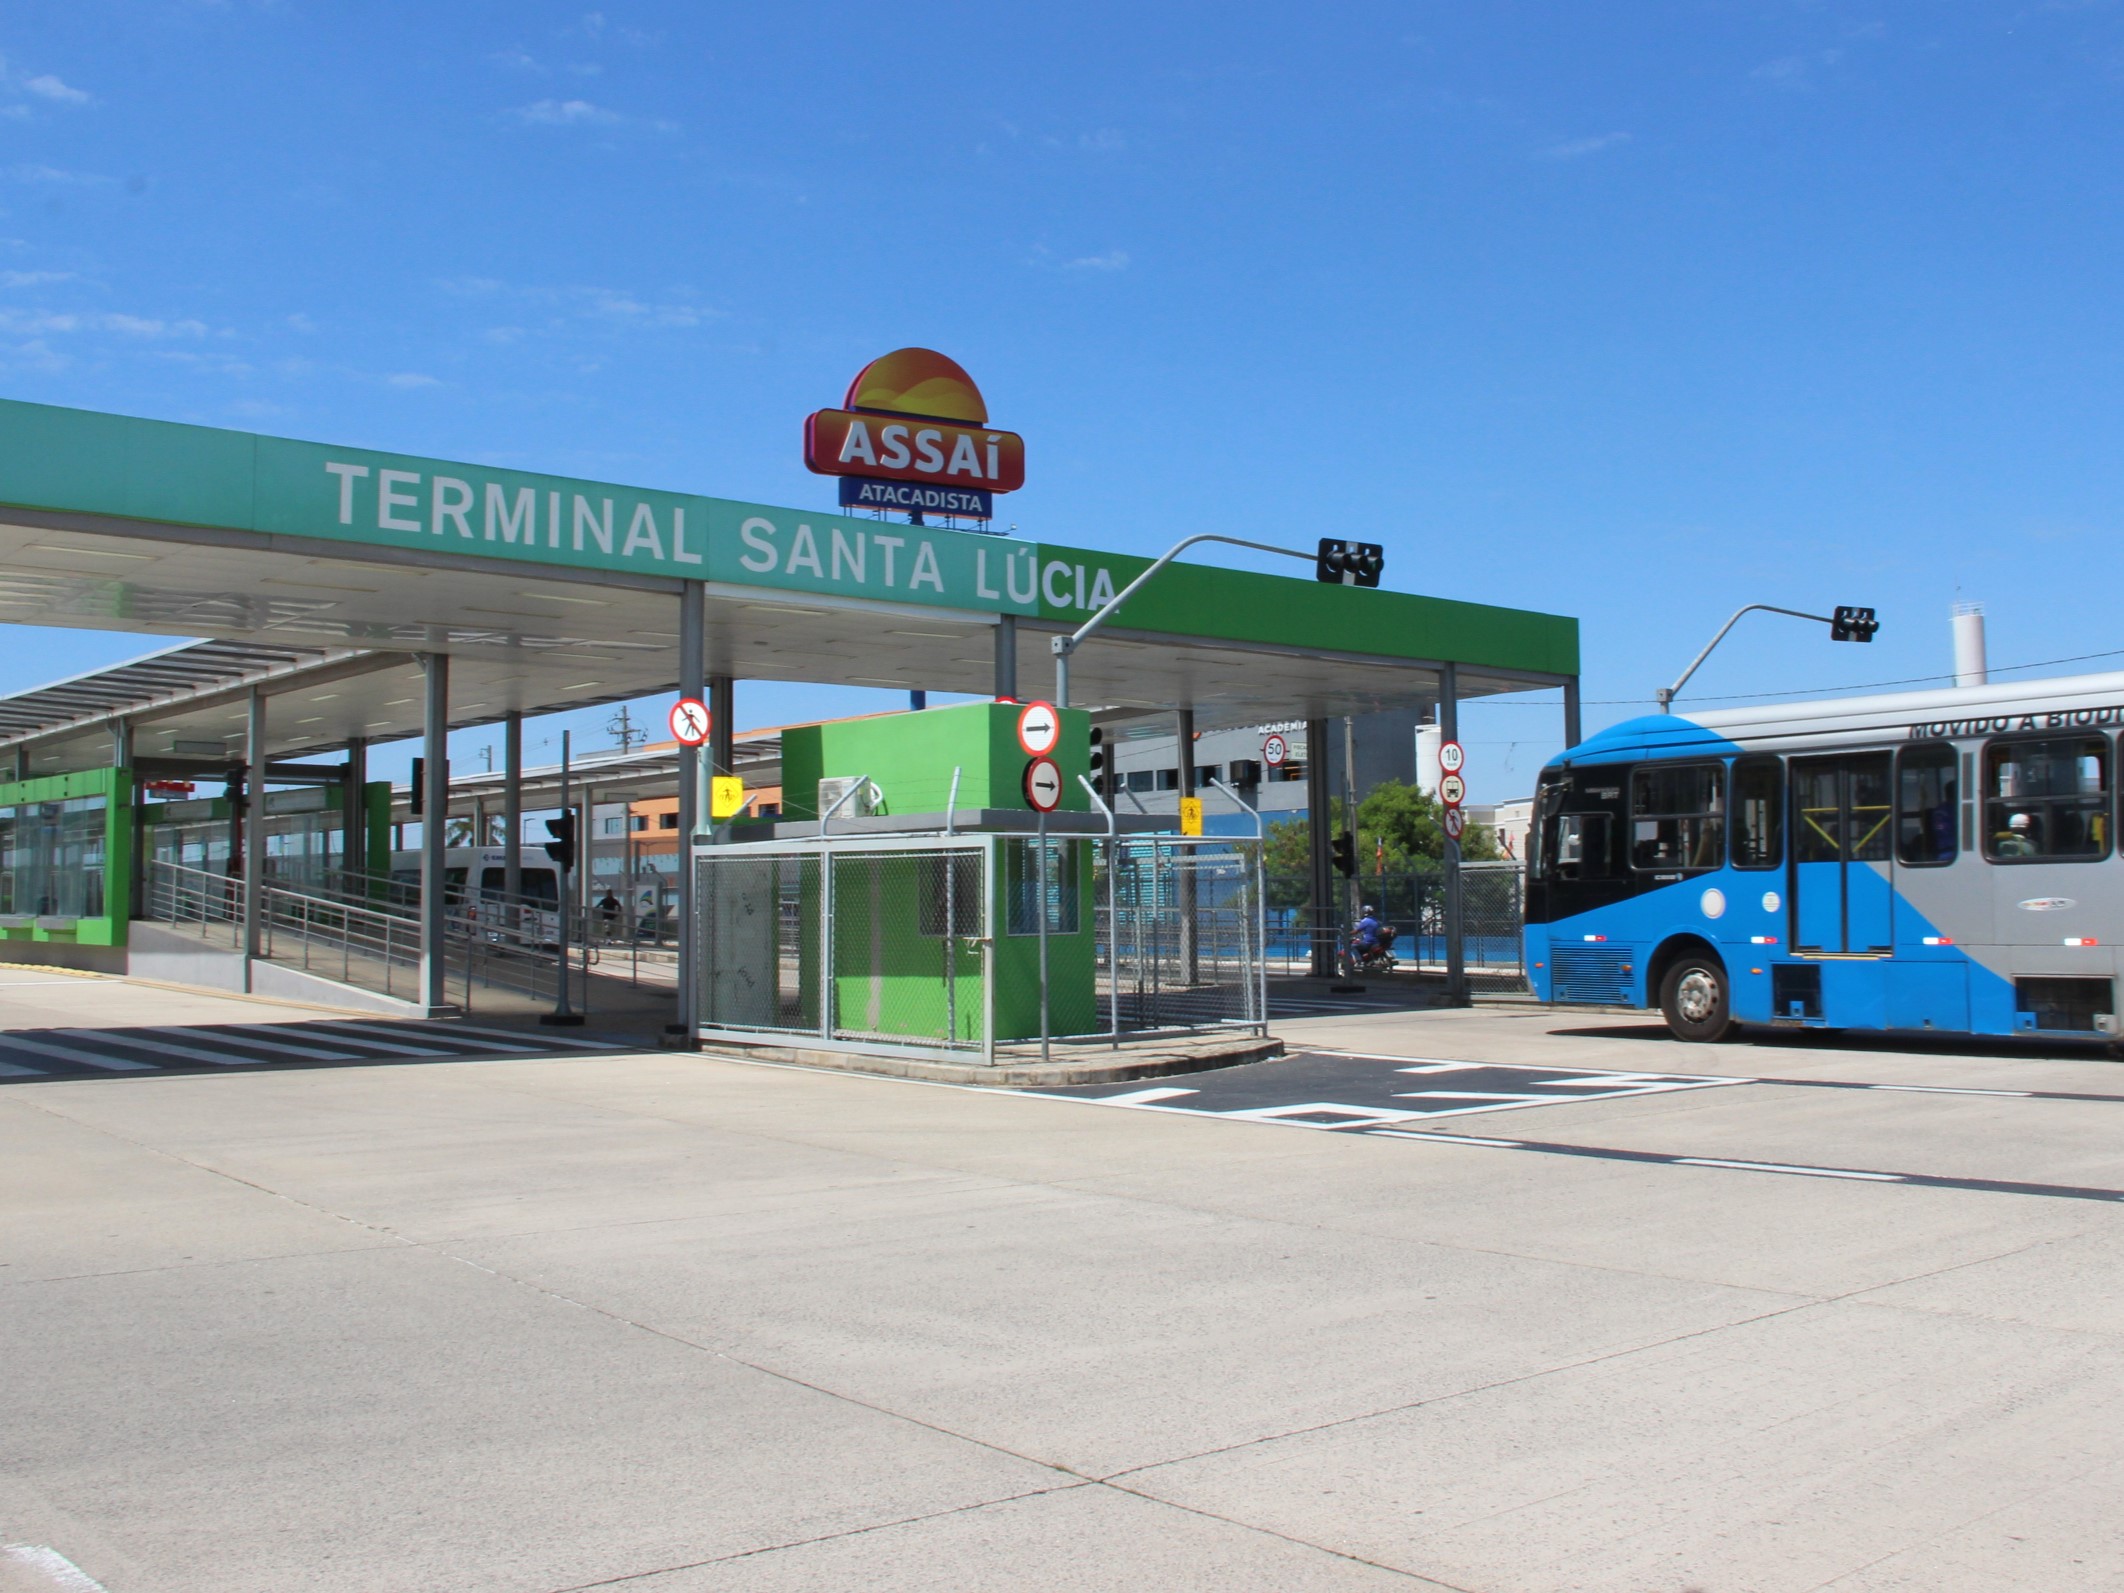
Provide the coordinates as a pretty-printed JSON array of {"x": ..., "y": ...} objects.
[{"x": 350, "y": 595}]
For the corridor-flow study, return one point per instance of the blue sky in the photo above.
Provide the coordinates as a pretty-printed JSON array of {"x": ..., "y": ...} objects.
[{"x": 1634, "y": 312}]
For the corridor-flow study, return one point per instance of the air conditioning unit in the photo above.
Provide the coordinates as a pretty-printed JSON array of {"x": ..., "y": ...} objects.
[{"x": 868, "y": 798}]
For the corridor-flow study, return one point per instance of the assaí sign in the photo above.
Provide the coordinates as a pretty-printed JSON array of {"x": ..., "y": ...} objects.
[{"x": 913, "y": 435}]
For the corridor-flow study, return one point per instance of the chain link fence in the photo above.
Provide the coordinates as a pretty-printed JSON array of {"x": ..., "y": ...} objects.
[
  {"x": 1179, "y": 935},
  {"x": 1493, "y": 919}
]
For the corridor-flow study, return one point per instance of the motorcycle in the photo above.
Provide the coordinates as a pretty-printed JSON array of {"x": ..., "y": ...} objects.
[{"x": 1377, "y": 958}]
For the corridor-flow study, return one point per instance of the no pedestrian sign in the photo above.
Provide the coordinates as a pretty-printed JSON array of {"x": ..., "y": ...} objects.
[
  {"x": 1455, "y": 822},
  {"x": 1043, "y": 785},
  {"x": 689, "y": 721},
  {"x": 1039, "y": 729}
]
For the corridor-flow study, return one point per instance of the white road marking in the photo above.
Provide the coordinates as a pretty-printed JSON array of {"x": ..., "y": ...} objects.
[
  {"x": 1781, "y": 1167},
  {"x": 309, "y": 1051},
  {"x": 172, "y": 1048},
  {"x": 389, "y": 1046},
  {"x": 53, "y": 1568},
  {"x": 522, "y": 1037},
  {"x": 1450, "y": 1139},
  {"x": 1949, "y": 1089},
  {"x": 452, "y": 1036},
  {"x": 9, "y": 1070},
  {"x": 85, "y": 1058},
  {"x": 1142, "y": 1097},
  {"x": 1357, "y": 1115}
]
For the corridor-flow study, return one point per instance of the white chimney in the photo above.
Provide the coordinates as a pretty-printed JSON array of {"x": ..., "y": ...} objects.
[
  {"x": 1428, "y": 738},
  {"x": 1969, "y": 666}
]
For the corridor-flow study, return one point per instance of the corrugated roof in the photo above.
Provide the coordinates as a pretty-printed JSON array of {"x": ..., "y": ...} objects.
[{"x": 145, "y": 681}]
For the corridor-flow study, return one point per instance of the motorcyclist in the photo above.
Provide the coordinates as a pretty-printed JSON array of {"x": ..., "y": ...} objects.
[{"x": 1367, "y": 935}]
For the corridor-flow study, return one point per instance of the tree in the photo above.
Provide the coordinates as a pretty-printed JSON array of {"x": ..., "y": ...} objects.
[
  {"x": 1409, "y": 826},
  {"x": 1287, "y": 860}
]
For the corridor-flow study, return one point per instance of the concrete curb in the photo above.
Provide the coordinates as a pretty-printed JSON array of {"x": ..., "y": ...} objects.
[{"x": 1153, "y": 1061}]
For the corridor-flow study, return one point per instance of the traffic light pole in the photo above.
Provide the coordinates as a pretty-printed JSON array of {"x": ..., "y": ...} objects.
[
  {"x": 563, "y": 1014},
  {"x": 1065, "y": 645},
  {"x": 1841, "y": 629}
]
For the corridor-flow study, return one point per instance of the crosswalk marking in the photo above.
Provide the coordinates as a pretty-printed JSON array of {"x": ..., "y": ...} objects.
[
  {"x": 541, "y": 1039},
  {"x": 85, "y": 1058},
  {"x": 390, "y": 1047},
  {"x": 219, "y": 1059},
  {"x": 522, "y": 1043},
  {"x": 9, "y": 1070},
  {"x": 310, "y": 1051}
]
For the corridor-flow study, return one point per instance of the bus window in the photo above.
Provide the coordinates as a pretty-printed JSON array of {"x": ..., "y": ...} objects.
[
  {"x": 1678, "y": 818},
  {"x": 2046, "y": 800},
  {"x": 1580, "y": 849},
  {"x": 1758, "y": 812},
  {"x": 1925, "y": 805},
  {"x": 536, "y": 884}
]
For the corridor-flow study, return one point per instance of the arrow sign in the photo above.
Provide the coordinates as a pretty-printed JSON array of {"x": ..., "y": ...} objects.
[
  {"x": 1452, "y": 790},
  {"x": 1043, "y": 785},
  {"x": 1275, "y": 750},
  {"x": 689, "y": 721},
  {"x": 1455, "y": 822},
  {"x": 1451, "y": 759},
  {"x": 1039, "y": 729}
]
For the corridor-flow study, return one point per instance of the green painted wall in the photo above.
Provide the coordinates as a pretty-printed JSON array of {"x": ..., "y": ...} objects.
[
  {"x": 910, "y": 756},
  {"x": 115, "y": 786}
]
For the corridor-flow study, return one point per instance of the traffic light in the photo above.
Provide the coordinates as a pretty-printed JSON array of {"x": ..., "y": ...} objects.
[
  {"x": 417, "y": 799},
  {"x": 1098, "y": 760},
  {"x": 1349, "y": 563},
  {"x": 1853, "y": 625},
  {"x": 562, "y": 847},
  {"x": 1344, "y": 850}
]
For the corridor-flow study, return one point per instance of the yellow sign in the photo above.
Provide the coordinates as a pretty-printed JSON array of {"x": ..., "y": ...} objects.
[
  {"x": 1191, "y": 815},
  {"x": 726, "y": 796}
]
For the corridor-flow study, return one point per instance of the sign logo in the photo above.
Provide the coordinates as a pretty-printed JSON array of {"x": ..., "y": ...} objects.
[
  {"x": 1043, "y": 785},
  {"x": 2046, "y": 904},
  {"x": 913, "y": 434},
  {"x": 1039, "y": 729},
  {"x": 689, "y": 721}
]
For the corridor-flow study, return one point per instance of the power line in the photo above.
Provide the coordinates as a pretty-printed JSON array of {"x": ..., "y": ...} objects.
[{"x": 1806, "y": 691}]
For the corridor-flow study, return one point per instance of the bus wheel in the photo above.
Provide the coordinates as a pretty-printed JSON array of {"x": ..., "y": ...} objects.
[{"x": 1696, "y": 1001}]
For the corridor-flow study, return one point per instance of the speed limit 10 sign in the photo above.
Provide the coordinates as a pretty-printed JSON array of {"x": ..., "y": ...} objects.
[{"x": 1451, "y": 759}]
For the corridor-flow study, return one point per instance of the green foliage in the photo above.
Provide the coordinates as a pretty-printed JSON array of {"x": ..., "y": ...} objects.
[
  {"x": 1410, "y": 824},
  {"x": 1287, "y": 860}
]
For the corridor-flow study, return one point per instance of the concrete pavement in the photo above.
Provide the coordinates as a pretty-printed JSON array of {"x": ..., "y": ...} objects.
[{"x": 662, "y": 1322}]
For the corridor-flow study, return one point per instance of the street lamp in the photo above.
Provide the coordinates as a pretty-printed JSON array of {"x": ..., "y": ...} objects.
[
  {"x": 1847, "y": 624},
  {"x": 1342, "y": 563}
]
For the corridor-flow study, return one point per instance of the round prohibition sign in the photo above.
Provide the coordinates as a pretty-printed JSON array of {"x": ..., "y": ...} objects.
[
  {"x": 689, "y": 721},
  {"x": 1043, "y": 785},
  {"x": 1275, "y": 751},
  {"x": 1455, "y": 822},
  {"x": 1452, "y": 790},
  {"x": 1039, "y": 729},
  {"x": 1451, "y": 758}
]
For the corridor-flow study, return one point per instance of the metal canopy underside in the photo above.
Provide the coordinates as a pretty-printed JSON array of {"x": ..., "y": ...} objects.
[{"x": 330, "y": 633}]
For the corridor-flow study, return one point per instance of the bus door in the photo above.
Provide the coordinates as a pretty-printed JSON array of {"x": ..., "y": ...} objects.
[{"x": 1843, "y": 836}]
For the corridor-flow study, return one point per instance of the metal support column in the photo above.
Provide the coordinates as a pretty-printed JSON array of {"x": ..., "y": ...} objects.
[
  {"x": 513, "y": 802},
  {"x": 1573, "y": 733},
  {"x": 692, "y": 682},
  {"x": 434, "y": 823},
  {"x": 1190, "y": 959},
  {"x": 254, "y": 833},
  {"x": 354, "y": 856},
  {"x": 1007, "y": 656},
  {"x": 722, "y": 732},
  {"x": 1320, "y": 817},
  {"x": 1456, "y": 946}
]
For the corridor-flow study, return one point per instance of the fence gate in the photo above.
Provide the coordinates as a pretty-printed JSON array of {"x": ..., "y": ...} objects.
[
  {"x": 856, "y": 944},
  {"x": 1181, "y": 933}
]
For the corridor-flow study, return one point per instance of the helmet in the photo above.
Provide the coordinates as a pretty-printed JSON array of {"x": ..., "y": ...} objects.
[
  {"x": 2018, "y": 822},
  {"x": 1369, "y": 909}
]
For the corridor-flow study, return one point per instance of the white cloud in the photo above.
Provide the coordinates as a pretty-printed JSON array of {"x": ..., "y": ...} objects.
[
  {"x": 39, "y": 323},
  {"x": 55, "y": 174},
  {"x": 411, "y": 379},
  {"x": 1106, "y": 141},
  {"x": 1112, "y": 260},
  {"x": 298, "y": 322},
  {"x": 51, "y": 88},
  {"x": 520, "y": 59},
  {"x": 564, "y": 113},
  {"x": 1579, "y": 148},
  {"x": 33, "y": 279}
]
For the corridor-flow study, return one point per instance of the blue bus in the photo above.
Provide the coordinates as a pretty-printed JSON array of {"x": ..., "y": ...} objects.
[{"x": 1942, "y": 860}]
